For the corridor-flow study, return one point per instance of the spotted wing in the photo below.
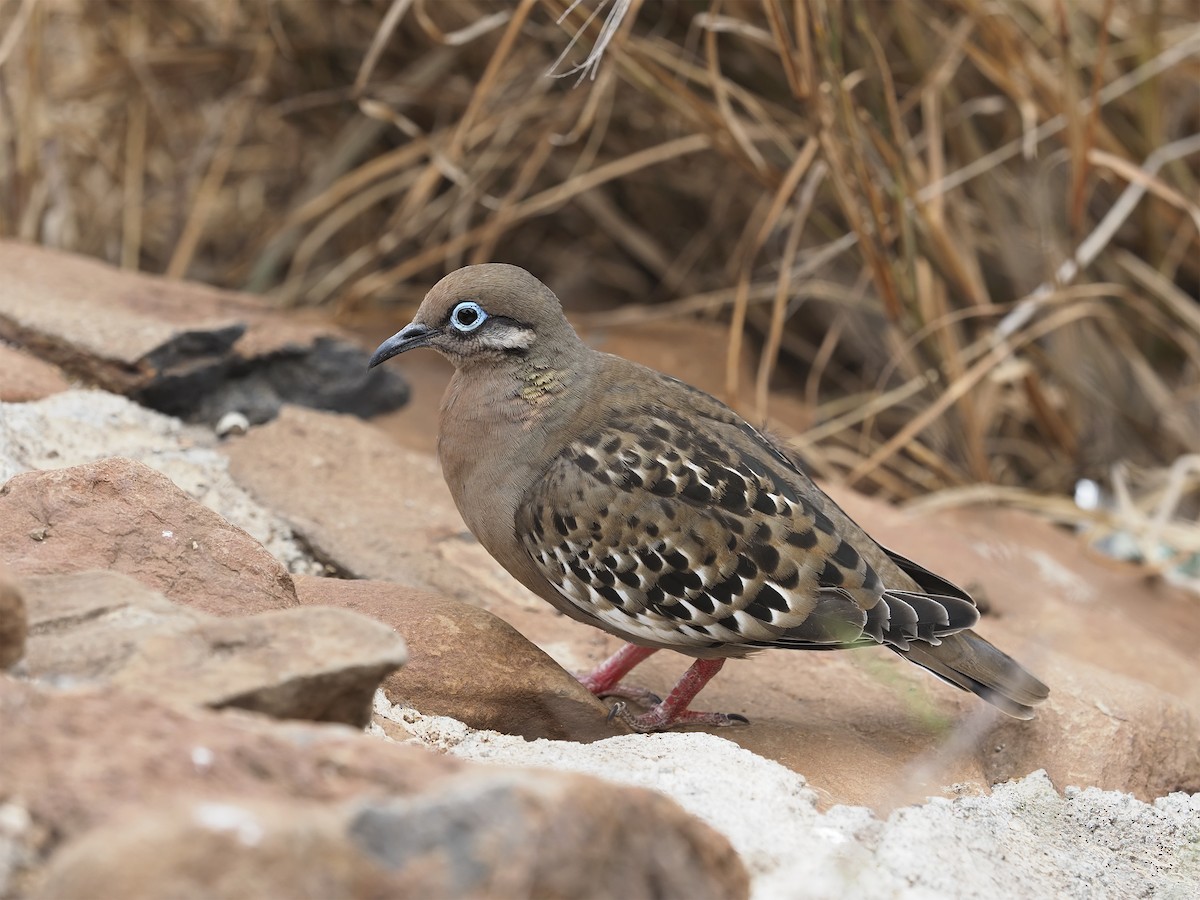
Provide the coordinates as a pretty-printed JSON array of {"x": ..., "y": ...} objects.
[{"x": 661, "y": 533}]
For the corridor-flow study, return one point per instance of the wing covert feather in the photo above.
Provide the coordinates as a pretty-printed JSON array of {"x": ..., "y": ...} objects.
[{"x": 679, "y": 538}]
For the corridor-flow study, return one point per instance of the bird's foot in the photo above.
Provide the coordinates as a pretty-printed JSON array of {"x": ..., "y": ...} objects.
[
  {"x": 605, "y": 681},
  {"x": 661, "y": 717},
  {"x": 674, "y": 710}
]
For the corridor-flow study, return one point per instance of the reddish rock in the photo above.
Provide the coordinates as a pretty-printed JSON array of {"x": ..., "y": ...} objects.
[
  {"x": 104, "y": 628},
  {"x": 201, "y": 804},
  {"x": 470, "y": 665},
  {"x": 224, "y": 848},
  {"x": 24, "y": 377},
  {"x": 487, "y": 834},
  {"x": 122, "y": 515},
  {"x": 396, "y": 511},
  {"x": 13, "y": 620}
]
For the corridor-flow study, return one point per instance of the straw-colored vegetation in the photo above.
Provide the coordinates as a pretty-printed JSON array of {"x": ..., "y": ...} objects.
[{"x": 965, "y": 233}]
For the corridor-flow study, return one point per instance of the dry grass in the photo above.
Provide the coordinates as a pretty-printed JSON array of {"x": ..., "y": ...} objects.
[{"x": 966, "y": 234}]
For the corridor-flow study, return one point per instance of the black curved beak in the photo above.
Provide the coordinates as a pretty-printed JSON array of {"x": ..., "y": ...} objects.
[{"x": 407, "y": 338}]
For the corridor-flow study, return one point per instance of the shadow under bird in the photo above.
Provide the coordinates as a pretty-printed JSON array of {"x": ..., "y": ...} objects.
[{"x": 640, "y": 505}]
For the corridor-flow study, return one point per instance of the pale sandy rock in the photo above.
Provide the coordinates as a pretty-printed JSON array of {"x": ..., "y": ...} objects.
[
  {"x": 18, "y": 843},
  {"x": 104, "y": 628},
  {"x": 470, "y": 665},
  {"x": 13, "y": 620},
  {"x": 79, "y": 427},
  {"x": 135, "y": 798},
  {"x": 1103, "y": 729},
  {"x": 1026, "y": 840},
  {"x": 372, "y": 509},
  {"x": 24, "y": 377},
  {"x": 122, "y": 515}
]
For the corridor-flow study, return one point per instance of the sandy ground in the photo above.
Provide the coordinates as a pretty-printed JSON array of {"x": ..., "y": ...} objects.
[{"x": 1025, "y": 840}]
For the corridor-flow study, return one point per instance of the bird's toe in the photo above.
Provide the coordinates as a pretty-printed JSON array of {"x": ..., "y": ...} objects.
[{"x": 661, "y": 718}]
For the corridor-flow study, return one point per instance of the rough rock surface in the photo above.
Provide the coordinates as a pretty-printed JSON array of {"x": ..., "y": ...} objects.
[
  {"x": 182, "y": 348},
  {"x": 469, "y": 665},
  {"x": 336, "y": 785},
  {"x": 79, "y": 427},
  {"x": 24, "y": 377},
  {"x": 13, "y": 620},
  {"x": 490, "y": 834},
  {"x": 122, "y": 515},
  {"x": 388, "y": 527},
  {"x": 104, "y": 628},
  {"x": 1026, "y": 840}
]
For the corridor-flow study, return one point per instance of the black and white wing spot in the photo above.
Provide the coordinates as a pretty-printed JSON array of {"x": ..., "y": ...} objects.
[{"x": 673, "y": 538}]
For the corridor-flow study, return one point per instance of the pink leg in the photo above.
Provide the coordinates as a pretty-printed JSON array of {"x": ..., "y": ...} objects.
[
  {"x": 604, "y": 680},
  {"x": 674, "y": 710}
]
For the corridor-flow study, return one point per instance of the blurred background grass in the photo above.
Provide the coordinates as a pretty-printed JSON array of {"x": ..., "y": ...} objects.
[{"x": 965, "y": 234}]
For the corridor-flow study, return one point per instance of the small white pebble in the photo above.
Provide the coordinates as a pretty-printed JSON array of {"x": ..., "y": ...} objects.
[
  {"x": 222, "y": 817},
  {"x": 232, "y": 422},
  {"x": 168, "y": 534},
  {"x": 14, "y": 820},
  {"x": 202, "y": 757},
  {"x": 1087, "y": 494}
]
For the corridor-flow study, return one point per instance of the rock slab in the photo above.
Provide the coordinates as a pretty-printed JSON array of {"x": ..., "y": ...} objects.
[
  {"x": 24, "y": 377},
  {"x": 469, "y": 664},
  {"x": 119, "y": 795},
  {"x": 13, "y": 620},
  {"x": 396, "y": 511},
  {"x": 483, "y": 834},
  {"x": 185, "y": 349},
  {"x": 105, "y": 628},
  {"x": 122, "y": 515}
]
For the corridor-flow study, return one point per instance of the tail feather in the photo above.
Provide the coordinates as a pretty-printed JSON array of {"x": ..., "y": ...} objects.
[{"x": 969, "y": 662}]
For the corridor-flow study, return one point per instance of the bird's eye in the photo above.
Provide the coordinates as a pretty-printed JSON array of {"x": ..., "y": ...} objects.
[{"x": 467, "y": 316}]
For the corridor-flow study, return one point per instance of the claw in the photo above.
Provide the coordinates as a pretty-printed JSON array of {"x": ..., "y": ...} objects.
[{"x": 617, "y": 711}]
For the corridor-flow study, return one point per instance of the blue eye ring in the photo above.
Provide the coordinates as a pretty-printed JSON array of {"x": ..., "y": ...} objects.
[{"x": 467, "y": 316}]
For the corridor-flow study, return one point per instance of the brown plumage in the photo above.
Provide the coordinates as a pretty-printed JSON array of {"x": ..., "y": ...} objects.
[{"x": 640, "y": 505}]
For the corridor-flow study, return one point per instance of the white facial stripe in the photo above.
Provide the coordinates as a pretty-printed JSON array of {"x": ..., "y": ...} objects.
[{"x": 506, "y": 337}]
